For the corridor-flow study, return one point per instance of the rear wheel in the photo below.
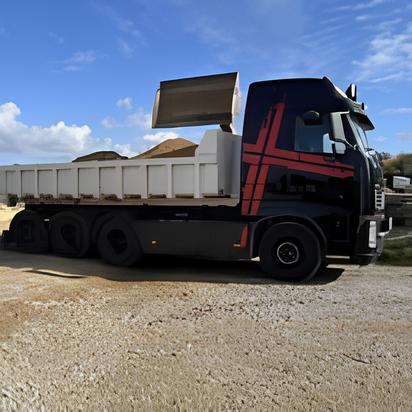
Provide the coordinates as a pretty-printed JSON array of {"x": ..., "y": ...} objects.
[
  {"x": 118, "y": 243},
  {"x": 70, "y": 234},
  {"x": 290, "y": 252},
  {"x": 28, "y": 233}
]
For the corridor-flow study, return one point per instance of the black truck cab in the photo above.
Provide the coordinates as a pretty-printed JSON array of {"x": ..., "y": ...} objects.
[{"x": 305, "y": 154}]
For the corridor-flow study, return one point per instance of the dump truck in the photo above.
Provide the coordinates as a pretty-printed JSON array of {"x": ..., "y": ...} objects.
[{"x": 299, "y": 184}]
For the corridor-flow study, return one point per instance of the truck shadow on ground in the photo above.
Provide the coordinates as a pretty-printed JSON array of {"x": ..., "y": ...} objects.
[{"x": 153, "y": 268}]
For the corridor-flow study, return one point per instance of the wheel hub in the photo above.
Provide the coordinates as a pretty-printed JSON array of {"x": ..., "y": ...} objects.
[
  {"x": 118, "y": 240},
  {"x": 287, "y": 253}
]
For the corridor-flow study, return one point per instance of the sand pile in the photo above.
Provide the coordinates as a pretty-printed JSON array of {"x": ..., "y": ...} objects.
[
  {"x": 178, "y": 147},
  {"x": 102, "y": 155}
]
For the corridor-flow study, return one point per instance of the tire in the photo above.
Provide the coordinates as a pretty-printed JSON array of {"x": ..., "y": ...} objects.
[
  {"x": 118, "y": 243},
  {"x": 70, "y": 234},
  {"x": 290, "y": 252},
  {"x": 28, "y": 233}
]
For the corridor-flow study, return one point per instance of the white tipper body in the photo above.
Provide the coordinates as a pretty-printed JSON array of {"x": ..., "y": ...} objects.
[{"x": 211, "y": 176}]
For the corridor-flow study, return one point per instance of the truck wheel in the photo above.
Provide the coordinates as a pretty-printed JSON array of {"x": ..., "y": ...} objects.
[
  {"x": 290, "y": 252},
  {"x": 70, "y": 234},
  {"x": 118, "y": 243},
  {"x": 28, "y": 233}
]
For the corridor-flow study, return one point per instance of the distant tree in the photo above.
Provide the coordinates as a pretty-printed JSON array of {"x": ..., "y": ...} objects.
[
  {"x": 398, "y": 165},
  {"x": 385, "y": 155}
]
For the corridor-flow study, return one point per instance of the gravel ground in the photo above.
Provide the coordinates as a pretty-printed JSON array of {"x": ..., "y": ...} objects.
[{"x": 195, "y": 335}]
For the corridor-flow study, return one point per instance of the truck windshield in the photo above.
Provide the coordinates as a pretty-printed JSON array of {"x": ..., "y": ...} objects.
[{"x": 360, "y": 133}]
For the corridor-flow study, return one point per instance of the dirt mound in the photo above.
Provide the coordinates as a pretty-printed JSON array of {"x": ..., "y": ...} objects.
[
  {"x": 178, "y": 147},
  {"x": 185, "y": 152},
  {"x": 102, "y": 155}
]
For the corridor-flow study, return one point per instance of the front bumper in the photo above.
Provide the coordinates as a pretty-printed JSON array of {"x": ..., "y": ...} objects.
[{"x": 370, "y": 238}]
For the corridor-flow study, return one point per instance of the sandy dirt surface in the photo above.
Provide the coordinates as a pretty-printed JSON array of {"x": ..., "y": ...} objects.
[
  {"x": 6, "y": 214},
  {"x": 195, "y": 335}
]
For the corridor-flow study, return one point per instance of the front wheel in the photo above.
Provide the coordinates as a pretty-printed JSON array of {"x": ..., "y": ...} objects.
[{"x": 290, "y": 252}]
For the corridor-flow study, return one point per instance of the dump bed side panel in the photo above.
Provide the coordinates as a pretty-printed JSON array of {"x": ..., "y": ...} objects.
[{"x": 213, "y": 173}]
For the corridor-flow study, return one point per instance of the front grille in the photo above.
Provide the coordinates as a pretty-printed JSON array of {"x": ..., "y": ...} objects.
[{"x": 379, "y": 200}]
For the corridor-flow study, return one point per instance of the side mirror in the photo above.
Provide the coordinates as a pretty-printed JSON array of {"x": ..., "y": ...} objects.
[
  {"x": 311, "y": 118},
  {"x": 340, "y": 148},
  {"x": 341, "y": 144}
]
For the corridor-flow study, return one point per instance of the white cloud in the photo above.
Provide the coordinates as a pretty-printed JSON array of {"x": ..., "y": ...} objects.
[
  {"x": 125, "y": 103},
  {"x": 362, "y": 6},
  {"x": 404, "y": 136},
  {"x": 228, "y": 43},
  {"x": 388, "y": 24},
  {"x": 58, "y": 39},
  {"x": 129, "y": 36},
  {"x": 72, "y": 68},
  {"x": 398, "y": 110},
  {"x": 125, "y": 48},
  {"x": 125, "y": 150},
  {"x": 58, "y": 142},
  {"x": 82, "y": 57},
  {"x": 160, "y": 137},
  {"x": 393, "y": 76},
  {"x": 211, "y": 33},
  {"x": 109, "y": 123},
  {"x": 78, "y": 60},
  {"x": 321, "y": 34},
  {"x": 233, "y": 41},
  {"x": 389, "y": 58},
  {"x": 140, "y": 119},
  {"x": 380, "y": 138},
  {"x": 364, "y": 17},
  {"x": 369, "y": 4},
  {"x": 122, "y": 24}
]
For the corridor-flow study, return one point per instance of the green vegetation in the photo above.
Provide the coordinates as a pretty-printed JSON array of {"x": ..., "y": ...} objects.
[
  {"x": 398, "y": 165},
  {"x": 397, "y": 252}
]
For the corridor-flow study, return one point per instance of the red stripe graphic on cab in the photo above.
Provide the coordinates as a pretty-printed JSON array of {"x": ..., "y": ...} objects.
[{"x": 264, "y": 153}]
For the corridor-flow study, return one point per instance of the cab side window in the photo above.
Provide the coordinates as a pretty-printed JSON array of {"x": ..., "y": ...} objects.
[{"x": 313, "y": 136}]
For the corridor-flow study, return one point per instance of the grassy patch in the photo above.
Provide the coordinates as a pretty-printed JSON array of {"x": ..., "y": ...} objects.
[{"x": 397, "y": 252}]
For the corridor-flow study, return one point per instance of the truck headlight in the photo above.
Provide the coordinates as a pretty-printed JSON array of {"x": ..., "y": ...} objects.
[{"x": 372, "y": 235}]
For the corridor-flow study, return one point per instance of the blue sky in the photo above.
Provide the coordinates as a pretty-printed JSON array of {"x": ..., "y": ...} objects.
[{"x": 80, "y": 75}]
